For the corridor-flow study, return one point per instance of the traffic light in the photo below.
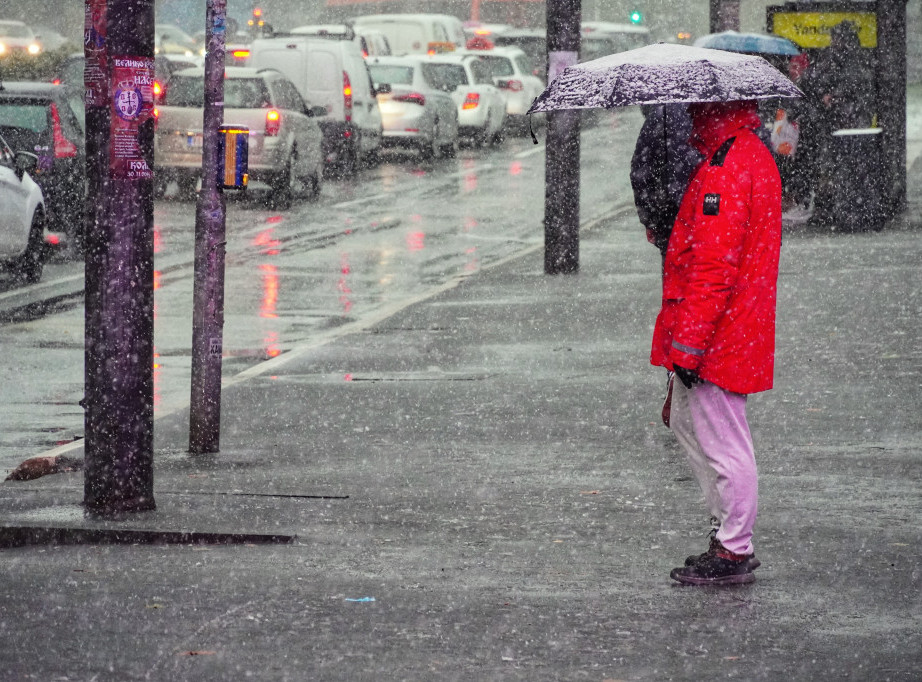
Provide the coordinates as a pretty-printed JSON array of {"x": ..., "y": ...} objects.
[{"x": 636, "y": 16}]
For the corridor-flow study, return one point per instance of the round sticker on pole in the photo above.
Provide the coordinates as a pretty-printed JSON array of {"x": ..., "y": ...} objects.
[{"x": 128, "y": 101}]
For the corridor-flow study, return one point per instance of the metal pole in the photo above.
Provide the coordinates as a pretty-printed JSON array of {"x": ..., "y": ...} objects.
[
  {"x": 208, "y": 294},
  {"x": 561, "y": 175},
  {"x": 119, "y": 220}
]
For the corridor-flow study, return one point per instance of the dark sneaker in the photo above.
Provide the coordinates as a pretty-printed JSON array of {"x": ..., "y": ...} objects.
[
  {"x": 713, "y": 547},
  {"x": 720, "y": 568}
]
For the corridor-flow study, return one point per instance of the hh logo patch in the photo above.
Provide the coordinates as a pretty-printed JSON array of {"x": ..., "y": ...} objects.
[{"x": 711, "y": 204}]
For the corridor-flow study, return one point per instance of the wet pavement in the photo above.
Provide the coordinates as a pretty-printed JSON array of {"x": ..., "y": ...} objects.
[{"x": 478, "y": 486}]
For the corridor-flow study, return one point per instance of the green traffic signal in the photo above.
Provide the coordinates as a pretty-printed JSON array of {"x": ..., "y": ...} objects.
[{"x": 636, "y": 17}]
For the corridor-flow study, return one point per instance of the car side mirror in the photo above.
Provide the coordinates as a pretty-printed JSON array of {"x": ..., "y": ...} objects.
[
  {"x": 383, "y": 89},
  {"x": 26, "y": 162}
]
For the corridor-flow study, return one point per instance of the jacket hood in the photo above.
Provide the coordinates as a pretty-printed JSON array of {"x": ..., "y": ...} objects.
[{"x": 714, "y": 122}]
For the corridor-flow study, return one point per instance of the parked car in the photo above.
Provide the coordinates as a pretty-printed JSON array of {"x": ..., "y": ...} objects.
[
  {"x": 370, "y": 42},
  {"x": 50, "y": 39},
  {"x": 47, "y": 120},
  {"x": 170, "y": 39},
  {"x": 16, "y": 36},
  {"x": 414, "y": 111},
  {"x": 22, "y": 216},
  {"x": 284, "y": 139},
  {"x": 332, "y": 74},
  {"x": 532, "y": 41},
  {"x": 513, "y": 74},
  {"x": 481, "y": 105},
  {"x": 601, "y": 38},
  {"x": 415, "y": 33}
]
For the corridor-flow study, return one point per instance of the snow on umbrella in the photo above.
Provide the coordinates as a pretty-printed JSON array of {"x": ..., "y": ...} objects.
[
  {"x": 664, "y": 73},
  {"x": 752, "y": 43}
]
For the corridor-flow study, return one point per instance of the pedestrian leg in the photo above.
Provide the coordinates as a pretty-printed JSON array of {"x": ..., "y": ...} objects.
[
  {"x": 722, "y": 434},
  {"x": 681, "y": 423}
]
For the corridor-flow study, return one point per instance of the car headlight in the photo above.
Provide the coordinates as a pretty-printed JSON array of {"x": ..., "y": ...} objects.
[
  {"x": 2, "y": 49},
  {"x": 34, "y": 48}
]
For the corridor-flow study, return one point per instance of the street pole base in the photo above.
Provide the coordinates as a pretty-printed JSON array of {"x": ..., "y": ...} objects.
[{"x": 120, "y": 507}]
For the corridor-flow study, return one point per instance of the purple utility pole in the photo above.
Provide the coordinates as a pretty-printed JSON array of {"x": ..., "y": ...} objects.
[
  {"x": 208, "y": 293},
  {"x": 119, "y": 220}
]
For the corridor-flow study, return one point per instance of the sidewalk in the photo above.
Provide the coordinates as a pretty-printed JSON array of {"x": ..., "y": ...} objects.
[{"x": 479, "y": 488}]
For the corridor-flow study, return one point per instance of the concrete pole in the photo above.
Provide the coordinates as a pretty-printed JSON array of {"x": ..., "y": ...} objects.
[
  {"x": 119, "y": 318},
  {"x": 561, "y": 176},
  {"x": 891, "y": 97},
  {"x": 208, "y": 293},
  {"x": 724, "y": 16}
]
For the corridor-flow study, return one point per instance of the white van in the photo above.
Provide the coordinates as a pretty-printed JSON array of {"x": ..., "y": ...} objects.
[
  {"x": 415, "y": 33},
  {"x": 371, "y": 43},
  {"x": 331, "y": 73}
]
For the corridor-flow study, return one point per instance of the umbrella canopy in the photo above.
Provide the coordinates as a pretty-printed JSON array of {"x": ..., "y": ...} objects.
[
  {"x": 751, "y": 43},
  {"x": 664, "y": 73}
]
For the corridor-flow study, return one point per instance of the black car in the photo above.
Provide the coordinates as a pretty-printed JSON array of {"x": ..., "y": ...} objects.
[{"x": 47, "y": 120}]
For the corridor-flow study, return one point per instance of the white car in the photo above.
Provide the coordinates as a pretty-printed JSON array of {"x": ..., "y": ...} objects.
[
  {"x": 15, "y": 36},
  {"x": 414, "y": 112},
  {"x": 481, "y": 105},
  {"x": 22, "y": 216},
  {"x": 284, "y": 137},
  {"x": 513, "y": 73}
]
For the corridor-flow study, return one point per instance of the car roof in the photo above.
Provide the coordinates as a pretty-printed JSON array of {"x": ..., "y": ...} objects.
[
  {"x": 403, "y": 17},
  {"x": 29, "y": 89},
  {"x": 510, "y": 51},
  {"x": 229, "y": 72},
  {"x": 523, "y": 33},
  {"x": 403, "y": 59}
]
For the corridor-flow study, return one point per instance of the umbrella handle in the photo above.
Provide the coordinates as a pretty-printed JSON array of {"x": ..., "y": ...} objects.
[{"x": 534, "y": 138}]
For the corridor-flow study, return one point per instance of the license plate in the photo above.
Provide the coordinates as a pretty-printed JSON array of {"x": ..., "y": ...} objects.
[{"x": 193, "y": 141}]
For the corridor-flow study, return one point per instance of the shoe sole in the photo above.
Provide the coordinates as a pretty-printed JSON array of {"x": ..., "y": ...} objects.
[
  {"x": 735, "y": 579},
  {"x": 753, "y": 562}
]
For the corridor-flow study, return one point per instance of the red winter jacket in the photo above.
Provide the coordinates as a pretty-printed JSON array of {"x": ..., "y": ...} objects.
[{"x": 721, "y": 271}]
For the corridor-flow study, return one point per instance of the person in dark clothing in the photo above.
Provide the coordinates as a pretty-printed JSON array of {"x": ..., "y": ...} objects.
[
  {"x": 662, "y": 164},
  {"x": 839, "y": 90}
]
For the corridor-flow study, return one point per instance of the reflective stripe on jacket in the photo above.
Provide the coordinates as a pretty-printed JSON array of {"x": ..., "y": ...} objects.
[{"x": 721, "y": 270}]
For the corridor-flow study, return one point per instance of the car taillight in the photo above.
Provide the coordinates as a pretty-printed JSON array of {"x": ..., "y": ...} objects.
[
  {"x": 241, "y": 54},
  {"x": 63, "y": 148},
  {"x": 273, "y": 122},
  {"x": 347, "y": 96},
  {"x": 516, "y": 86},
  {"x": 158, "y": 91},
  {"x": 471, "y": 101},
  {"x": 411, "y": 97}
]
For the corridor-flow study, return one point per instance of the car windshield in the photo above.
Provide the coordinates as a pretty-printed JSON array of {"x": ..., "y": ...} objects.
[
  {"x": 15, "y": 31},
  {"x": 239, "y": 93},
  {"x": 391, "y": 73},
  {"x": 445, "y": 77},
  {"x": 499, "y": 66}
]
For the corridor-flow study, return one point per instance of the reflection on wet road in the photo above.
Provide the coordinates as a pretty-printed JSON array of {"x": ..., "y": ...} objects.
[{"x": 371, "y": 243}]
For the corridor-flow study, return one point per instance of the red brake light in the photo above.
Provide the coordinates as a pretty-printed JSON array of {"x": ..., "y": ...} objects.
[
  {"x": 516, "y": 85},
  {"x": 273, "y": 122},
  {"x": 347, "y": 96},
  {"x": 63, "y": 148},
  {"x": 471, "y": 101},
  {"x": 241, "y": 54},
  {"x": 412, "y": 98}
]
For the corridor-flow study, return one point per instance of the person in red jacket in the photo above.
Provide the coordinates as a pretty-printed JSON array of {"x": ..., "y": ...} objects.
[{"x": 716, "y": 327}]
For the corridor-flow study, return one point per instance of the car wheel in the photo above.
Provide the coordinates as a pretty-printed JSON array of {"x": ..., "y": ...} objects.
[
  {"x": 188, "y": 184},
  {"x": 282, "y": 190},
  {"x": 28, "y": 267},
  {"x": 450, "y": 149},
  {"x": 314, "y": 183}
]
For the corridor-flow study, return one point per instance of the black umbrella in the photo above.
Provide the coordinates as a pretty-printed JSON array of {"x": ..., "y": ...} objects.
[{"x": 664, "y": 73}]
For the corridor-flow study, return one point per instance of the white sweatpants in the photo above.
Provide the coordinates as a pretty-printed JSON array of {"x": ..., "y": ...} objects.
[{"x": 710, "y": 423}]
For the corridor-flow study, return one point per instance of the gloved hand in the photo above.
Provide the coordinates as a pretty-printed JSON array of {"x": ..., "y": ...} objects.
[{"x": 686, "y": 376}]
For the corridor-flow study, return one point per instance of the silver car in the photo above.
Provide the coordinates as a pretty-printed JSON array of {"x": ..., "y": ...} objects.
[
  {"x": 22, "y": 216},
  {"x": 481, "y": 105},
  {"x": 513, "y": 74},
  {"x": 414, "y": 112},
  {"x": 284, "y": 140}
]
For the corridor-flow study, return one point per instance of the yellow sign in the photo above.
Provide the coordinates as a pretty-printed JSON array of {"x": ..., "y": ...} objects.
[{"x": 812, "y": 29}]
